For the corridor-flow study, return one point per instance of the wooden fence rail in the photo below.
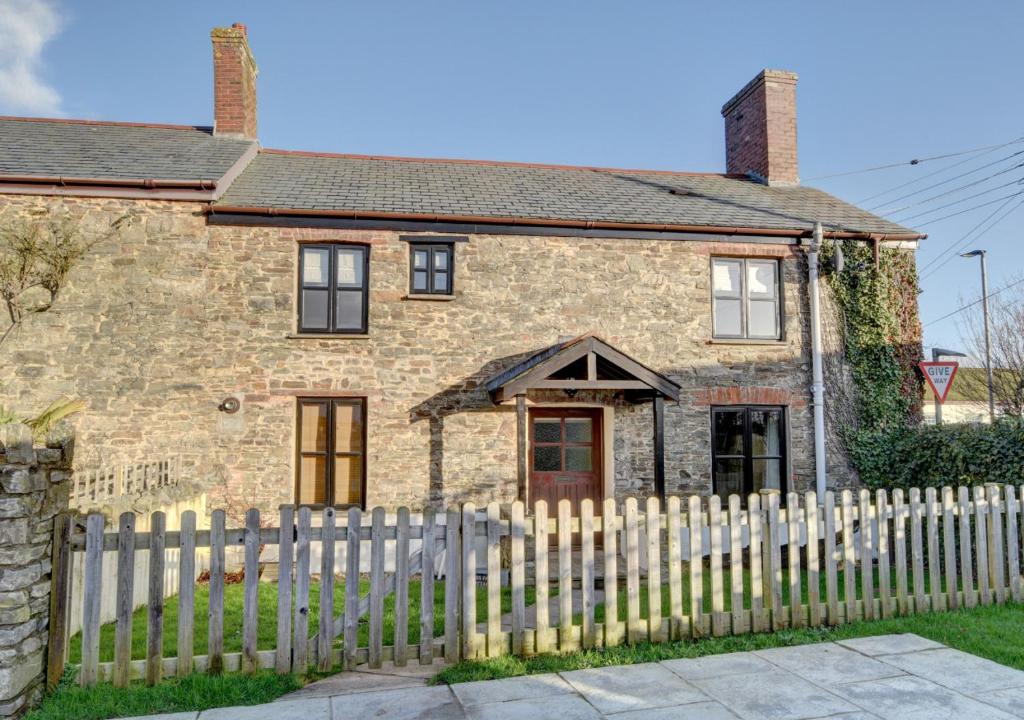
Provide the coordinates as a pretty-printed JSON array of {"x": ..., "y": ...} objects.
[{"x": 495, "y": 580}]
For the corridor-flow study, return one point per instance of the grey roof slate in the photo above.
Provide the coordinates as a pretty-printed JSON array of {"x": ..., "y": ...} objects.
[
  {"x": 114, "y": 151},
  {"x": 444, "y": 187}
]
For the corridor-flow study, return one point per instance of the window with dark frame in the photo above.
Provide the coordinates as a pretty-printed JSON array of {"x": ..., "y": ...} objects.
[
  {"x": 333, "y": 288},
  {"x": 745, "y": 298},
  {"x": 331, "y": 448},
  {"x": 748, "y": 450},
  {"x": 430, "y": 268}
]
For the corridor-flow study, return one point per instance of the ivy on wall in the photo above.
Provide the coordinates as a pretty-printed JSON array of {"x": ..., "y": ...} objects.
[{"x": 882, "y": 339}]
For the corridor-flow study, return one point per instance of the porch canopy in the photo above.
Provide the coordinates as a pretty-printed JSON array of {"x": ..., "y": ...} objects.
[{"x": 584, "y": 363}]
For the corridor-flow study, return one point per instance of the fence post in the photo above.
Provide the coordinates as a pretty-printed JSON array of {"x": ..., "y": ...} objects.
[{"x": 60, "y": 599}]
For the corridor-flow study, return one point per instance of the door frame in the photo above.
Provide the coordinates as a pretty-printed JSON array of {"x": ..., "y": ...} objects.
[{"x": 599, "y": 439}]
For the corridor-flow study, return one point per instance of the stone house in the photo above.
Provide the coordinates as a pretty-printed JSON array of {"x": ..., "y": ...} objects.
[{"x": 320, "y": 328}]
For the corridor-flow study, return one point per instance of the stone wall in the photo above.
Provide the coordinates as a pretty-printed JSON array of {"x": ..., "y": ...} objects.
[
  {"x": 157, "y": 327},
  {"x": 33, "y": 489}
]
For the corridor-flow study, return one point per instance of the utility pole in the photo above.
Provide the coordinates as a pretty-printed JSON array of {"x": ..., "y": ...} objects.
[
  {"x": 936, "y": 354},
  {"x": 988, "y": 344}
]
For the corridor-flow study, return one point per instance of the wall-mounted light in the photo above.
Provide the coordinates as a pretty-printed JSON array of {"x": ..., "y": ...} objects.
[{"x": 229, "y": 405}]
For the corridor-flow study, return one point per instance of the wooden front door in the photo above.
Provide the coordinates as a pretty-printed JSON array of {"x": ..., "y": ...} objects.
[{"x": 565, "y": 457}]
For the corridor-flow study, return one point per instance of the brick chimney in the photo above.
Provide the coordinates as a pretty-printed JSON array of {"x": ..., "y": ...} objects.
[
  {"x": 760, "y": 129},
  {"x": 234, "y": 83}
]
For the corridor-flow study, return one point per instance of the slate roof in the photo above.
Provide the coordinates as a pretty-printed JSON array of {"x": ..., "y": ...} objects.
[
  {"x": 114, "y": 150},
  {"x": 277, "y": 179}
]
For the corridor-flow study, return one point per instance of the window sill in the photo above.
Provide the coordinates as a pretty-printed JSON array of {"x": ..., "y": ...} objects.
[
  {"x": 429, "y": 297},
  {"x": 747, "y": 341},
  {"x": 327, "y": 336}
]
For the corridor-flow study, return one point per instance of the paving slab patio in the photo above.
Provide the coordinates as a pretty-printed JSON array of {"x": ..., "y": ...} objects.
[{"x": 892, "y": 676}]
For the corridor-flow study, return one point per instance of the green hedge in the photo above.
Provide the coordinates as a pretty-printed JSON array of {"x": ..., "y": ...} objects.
[{"x": 953, "y": 454}]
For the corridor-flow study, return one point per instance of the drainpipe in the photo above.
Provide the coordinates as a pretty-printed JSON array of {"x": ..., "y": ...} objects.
[{"x": 818, "y": 383}]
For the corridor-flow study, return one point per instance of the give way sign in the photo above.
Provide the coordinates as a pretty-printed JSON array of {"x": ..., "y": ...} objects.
[{"x": 940, "y": 376}]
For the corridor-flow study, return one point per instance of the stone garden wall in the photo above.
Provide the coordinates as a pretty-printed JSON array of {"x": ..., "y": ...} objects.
[{"x": 33, "y": 489}]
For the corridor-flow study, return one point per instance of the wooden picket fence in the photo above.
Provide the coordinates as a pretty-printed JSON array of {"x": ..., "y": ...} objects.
[{"x": 695, "y": 569}]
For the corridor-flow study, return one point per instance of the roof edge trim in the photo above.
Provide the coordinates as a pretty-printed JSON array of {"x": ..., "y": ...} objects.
[{"x": 551, "y": 222}]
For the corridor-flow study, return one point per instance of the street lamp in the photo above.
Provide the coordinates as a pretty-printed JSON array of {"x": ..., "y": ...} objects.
[
  {"x": 988, "y": 345},
  {"x": 937, "y": 353}
]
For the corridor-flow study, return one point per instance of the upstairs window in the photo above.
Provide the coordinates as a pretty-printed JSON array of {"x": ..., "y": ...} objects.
[
  {"x": 745, "y": 299},
  {"x": 430, "y": 270},
  {"x": 333, "y": 288}
]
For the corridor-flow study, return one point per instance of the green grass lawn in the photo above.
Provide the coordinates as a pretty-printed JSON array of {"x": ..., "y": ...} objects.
[
  {"x": 994, "y": 632},
  {"x": 266, "y": 638},
  {"x": 194, "y": 692}
]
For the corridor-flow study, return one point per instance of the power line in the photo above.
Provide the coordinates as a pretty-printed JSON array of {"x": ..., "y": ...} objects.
[
  {"x": 962, "y": 200},
  {"x": 914, "y": 161},
  {"x": 972, "y": 304},
  {"x": 873, "y": 208},
  {"x": 959, "y": 188},
  {"x": 933, "y": 173},
  {"x": 963, "y": 240}
]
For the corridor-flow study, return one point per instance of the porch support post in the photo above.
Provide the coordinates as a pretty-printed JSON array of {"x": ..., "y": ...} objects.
[
  {"x": 659, "y": 446},
  {"x": 521, "y": 467}
]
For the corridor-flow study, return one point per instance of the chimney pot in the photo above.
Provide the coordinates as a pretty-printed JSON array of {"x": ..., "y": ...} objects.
[
  {"x": 760, "y": 129},
  {"x": 234, "y": 83}
]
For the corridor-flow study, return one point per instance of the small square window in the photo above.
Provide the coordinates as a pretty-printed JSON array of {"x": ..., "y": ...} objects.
[{"x": 430, "y": 270}]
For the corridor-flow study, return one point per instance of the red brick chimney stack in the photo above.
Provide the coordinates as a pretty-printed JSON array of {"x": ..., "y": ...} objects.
[
  {"x": 234, "y": 83},
  {"x": 760, "y": 129}
]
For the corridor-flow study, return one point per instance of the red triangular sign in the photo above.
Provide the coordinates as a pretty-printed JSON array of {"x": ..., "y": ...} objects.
[{"x": 940, "y": 376}]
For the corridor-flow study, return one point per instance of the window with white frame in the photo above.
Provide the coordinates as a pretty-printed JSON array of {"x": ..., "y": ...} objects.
[{"x": 745, "y": 299}]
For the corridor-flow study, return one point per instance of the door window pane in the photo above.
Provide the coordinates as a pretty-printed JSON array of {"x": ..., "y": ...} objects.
[
  {"x": 547, "y": 430},
  {"x": 348, "y": 480},
  {"x": 579, "y": 430},
  {"x": 314, "y": 266},
  {"x": 547, "y": 458},
  {"x": 348, "y": 426},
  {"x": 314, "y": 309},
  {"x": 312, "y": 480},
  {"x": 348, "y": 311},
  {"x": 728, "y": 318},
  {"x": 579, "y": 459},
  {"x": 728, "y": 432},
  {"x": 314, "y": 427}
]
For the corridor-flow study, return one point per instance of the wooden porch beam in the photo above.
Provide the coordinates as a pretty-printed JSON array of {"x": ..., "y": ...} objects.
[
  {"x": 659, "y": 446},
  {"x": 521, "y": 466}
]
